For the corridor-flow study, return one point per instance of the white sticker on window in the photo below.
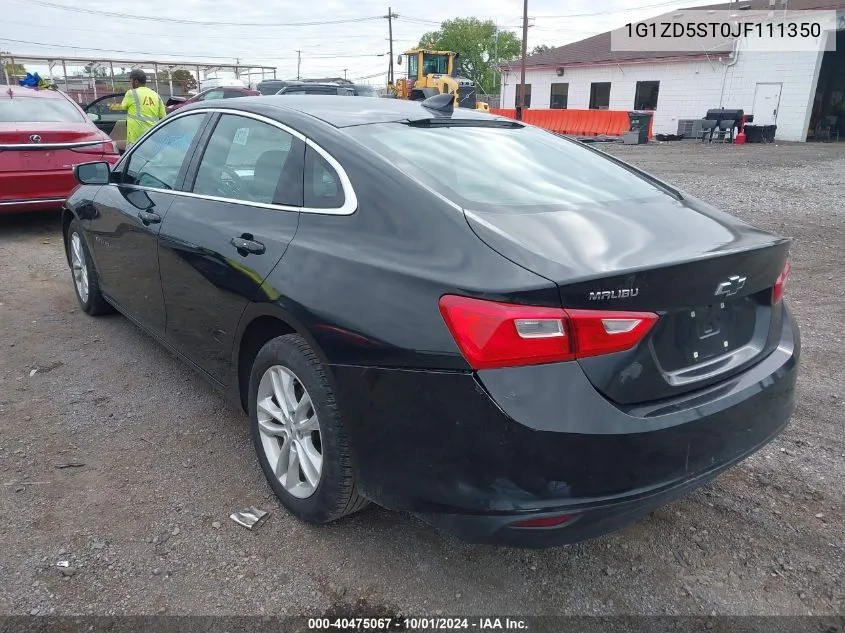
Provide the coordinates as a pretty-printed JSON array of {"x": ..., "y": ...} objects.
[{"x": 241, "y": 136}]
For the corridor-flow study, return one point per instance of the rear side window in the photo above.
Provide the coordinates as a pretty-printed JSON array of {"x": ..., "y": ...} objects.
[
  {"x": 251, "y": 161},
  {"x": 504, "y": 169},
  {"x": 38, "y": 110},
  {"x": 323, "y": 189}
]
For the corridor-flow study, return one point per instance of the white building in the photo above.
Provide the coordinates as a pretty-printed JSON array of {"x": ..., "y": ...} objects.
[{"x": 794, "y": 90}]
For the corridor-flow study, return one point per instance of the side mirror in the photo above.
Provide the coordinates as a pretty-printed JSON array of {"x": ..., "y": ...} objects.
[
  {"x": 98, "y": 173},
  {"x": 399, "y": 60},
  {"x": 94, "y": 116}
]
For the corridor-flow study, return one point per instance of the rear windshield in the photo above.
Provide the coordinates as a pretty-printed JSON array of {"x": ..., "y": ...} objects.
[
  {"x": 270, "y": 88},
  {"x": 504, "y": 169},
  {"x": 366, "y": 91},
  {"x": 35, "y": 110}
]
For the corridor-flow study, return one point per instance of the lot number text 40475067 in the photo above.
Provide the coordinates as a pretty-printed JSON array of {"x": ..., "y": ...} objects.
[{"x": 418, "y": 624}]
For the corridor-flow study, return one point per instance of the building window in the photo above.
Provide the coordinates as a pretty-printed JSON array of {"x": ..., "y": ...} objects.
[
  {"x": 519, "y": 95},
  {"x": 645, "y": 97},
  {"x": 600, "y": 95},
  {"x": 559, "y": 96}
]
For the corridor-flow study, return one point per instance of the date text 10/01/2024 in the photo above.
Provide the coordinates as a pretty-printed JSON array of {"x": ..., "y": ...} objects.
[{"x": 417, "y": 624}]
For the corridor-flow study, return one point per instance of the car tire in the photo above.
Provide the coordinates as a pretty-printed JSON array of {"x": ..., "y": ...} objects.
[
  {"x": 290, "y": 358},
  {"x": 86, "y": 284}
]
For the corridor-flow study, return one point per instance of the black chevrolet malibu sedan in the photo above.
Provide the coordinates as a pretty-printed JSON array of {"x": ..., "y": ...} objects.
[{"x": 505, "y": 332}]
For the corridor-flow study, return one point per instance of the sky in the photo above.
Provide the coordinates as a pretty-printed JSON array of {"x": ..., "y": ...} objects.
[{"x": 348, "y": 38}]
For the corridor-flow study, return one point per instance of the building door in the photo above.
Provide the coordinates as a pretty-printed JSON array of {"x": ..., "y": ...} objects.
[{"x": 766, "y": 103}]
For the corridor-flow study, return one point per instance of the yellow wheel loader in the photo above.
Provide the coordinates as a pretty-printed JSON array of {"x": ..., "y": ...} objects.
[{"x": 432, "y": 73}]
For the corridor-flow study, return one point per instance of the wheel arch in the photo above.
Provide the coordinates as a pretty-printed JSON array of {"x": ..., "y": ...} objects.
[
  {"x": 67, "y": 217},
  {"x": 260, "y": 323}
]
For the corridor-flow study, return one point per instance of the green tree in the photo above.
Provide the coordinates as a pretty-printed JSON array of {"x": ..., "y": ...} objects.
[
  {"x": 95, "y": 72},
  {"x": 480, "y": 47},
  {"x": 540, "y": 48},
  {"x": 15, "y": 70},
  {"x": 185, "y": 79}
]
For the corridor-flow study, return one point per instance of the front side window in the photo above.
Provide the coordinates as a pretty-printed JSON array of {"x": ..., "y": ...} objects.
[
  {"x": 158, "y": 159},
  {"x": 251, "y": 161},
  {"x": 413, "y": 65},
  {"x": 504, "y": 170},
  {"x": 108, "y": 109}
]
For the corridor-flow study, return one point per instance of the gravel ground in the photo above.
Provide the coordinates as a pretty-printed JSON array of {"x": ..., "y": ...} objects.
[{"x": 116, "y": 458}]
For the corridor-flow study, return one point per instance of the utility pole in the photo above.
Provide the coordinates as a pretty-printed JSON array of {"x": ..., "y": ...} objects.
[
  {"x": 298, "y": 59},
  {"x": 521, "y": 103},
  {"x": 344, "y": 72},
  {"x": 390, "y": 15}
]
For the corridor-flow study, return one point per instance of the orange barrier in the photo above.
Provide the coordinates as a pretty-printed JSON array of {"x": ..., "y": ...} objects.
[{"x": 577, "y": 122}]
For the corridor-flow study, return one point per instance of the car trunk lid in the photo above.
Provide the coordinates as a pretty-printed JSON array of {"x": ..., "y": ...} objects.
[
  {"x": 706, "y": 274},
  {"x": 38, "y": 147}
]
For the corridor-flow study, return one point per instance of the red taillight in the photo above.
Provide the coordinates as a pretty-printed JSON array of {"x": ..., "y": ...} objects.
[
  {"x": 544, "y": 522},
  {"x": 106, "y": 147},
  {"x": 780, "y": 282},
  {"x": 492, "y": 334}
]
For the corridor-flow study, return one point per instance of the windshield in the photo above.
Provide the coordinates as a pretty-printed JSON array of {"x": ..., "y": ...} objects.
[
  {"x": 38, "y": 110},
  {"x": 435, "y": 64},
  {"x": 499, "y": 169}
]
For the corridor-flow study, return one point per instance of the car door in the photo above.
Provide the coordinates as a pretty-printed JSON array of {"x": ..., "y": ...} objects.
[
  {"x": 128, "y": 214},
  {"x": 105, "y": 112},
  {"x": 222, "y": 237}
]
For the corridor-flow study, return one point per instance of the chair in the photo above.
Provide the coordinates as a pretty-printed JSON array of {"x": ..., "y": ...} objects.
[
  {"x": 118, "y": 134},
  {"x": 268, "y": 169},
  {"x": 707, "y": 128},
  {"x": 726, "y": 130},
  {"x": 278, "y": 178},
  {"x": 826, "y": 129}
]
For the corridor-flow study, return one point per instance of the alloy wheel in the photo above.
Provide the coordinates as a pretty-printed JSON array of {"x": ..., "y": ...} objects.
[
  {"x": 80, "y": 268},
  {"x": 290, "y": 431}
]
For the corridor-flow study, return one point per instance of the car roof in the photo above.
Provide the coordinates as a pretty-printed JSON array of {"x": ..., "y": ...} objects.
[
  {"x": 315, "y": 84},
  {"x": 346, "y": 112},
  {"x": 15, "y": 92}
]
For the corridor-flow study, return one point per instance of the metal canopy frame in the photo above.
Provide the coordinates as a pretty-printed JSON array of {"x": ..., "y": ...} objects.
[{"x": 170, "y": 65}]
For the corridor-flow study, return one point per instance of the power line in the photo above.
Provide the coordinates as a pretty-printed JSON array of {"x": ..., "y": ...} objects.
[
  {"x": 151, "y": 18},
  {"x": 275, "y": 38},
  {"x": 416, "y": 20},
  {"x": 228, "y": 57}
]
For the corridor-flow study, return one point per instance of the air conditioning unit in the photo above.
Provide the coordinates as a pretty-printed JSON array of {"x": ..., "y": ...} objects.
[{"x": 690, "y": 128}]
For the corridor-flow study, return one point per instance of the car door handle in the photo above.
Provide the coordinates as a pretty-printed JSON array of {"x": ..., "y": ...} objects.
[
  {"x": 148, "y": 217},
  {"x": 245, "y": 246}
]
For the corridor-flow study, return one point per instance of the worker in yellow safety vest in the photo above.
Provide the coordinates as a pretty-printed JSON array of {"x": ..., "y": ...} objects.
[{"x": 143, "y": 106}]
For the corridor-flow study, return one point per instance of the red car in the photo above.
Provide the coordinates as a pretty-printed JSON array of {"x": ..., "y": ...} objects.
[
  {"x": 43, "y": 134},
  {"x": 223, "y": 92}
]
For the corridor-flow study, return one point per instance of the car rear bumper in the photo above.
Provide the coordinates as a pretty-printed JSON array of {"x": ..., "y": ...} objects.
[
  {"x": 474, "y": 453},
  {"x": 42, "y": 190}
]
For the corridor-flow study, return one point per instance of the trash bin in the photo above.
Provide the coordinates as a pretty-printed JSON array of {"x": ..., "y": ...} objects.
[
  {"x": 753, "y": 133},
  {"x": 769, "y": 133},
  {"x": 639, "y": 123}
]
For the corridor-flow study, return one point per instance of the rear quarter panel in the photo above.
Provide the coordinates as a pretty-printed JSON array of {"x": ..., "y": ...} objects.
[{"x": 366, "y": 286}]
